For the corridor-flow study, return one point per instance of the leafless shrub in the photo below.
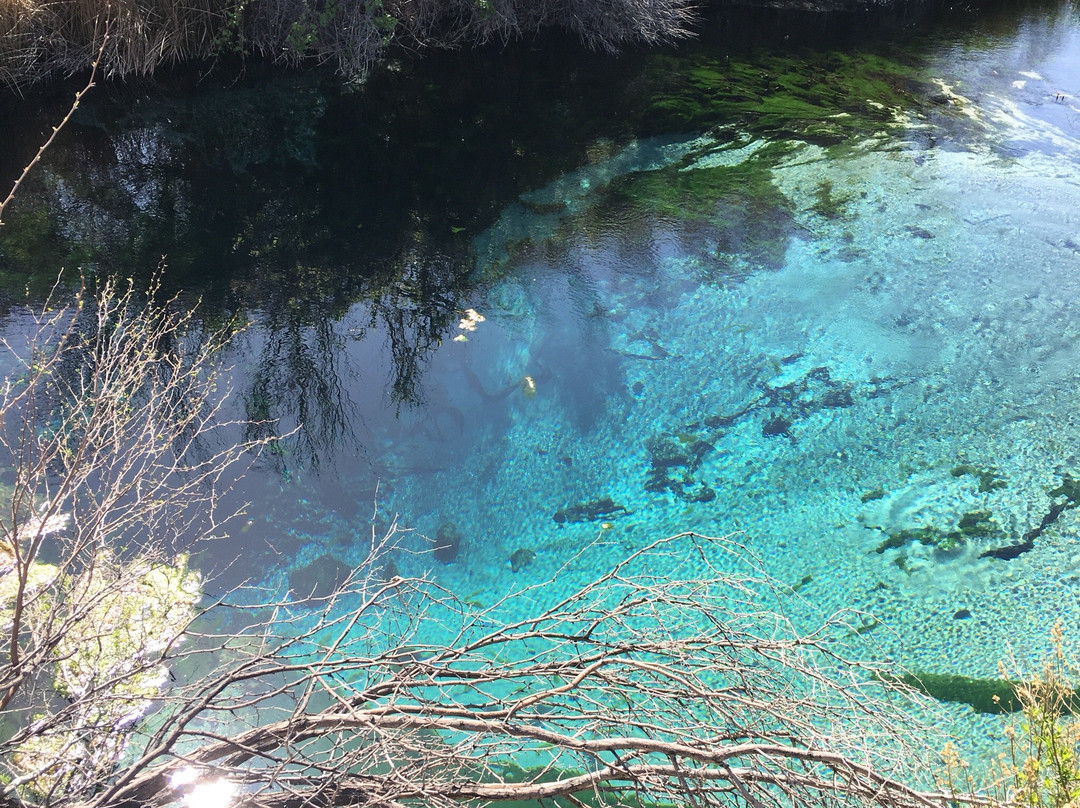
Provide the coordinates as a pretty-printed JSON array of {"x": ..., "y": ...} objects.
[
  {"x": 111, "y": 471},
  {"x": 42, "y": 39},
  {"x": 639, "y": 687}
]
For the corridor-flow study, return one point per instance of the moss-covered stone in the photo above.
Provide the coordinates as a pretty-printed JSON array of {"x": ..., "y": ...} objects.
[
  {"x": 676, "y": 451},
  {"x": 828, "y": 203},
  {"x": 521, "y": 558},
  {"x": 815, "y": 391},
  {"x": 673, "y": 461},
  {"x": 806, "y": 579},
  {"x": 972, "y": 525},
  {"x": 977, "y": 524},
  {"x": 1069, "y": 490},
  {"x": 870, "y": 496},
  {"x": 867, "y": 625},
  {"x": 126, "y": 614},
  {"x": 447, "y": 543},
  {"x": 776, "y": 425},
  {"x": 926, "y": 535}
]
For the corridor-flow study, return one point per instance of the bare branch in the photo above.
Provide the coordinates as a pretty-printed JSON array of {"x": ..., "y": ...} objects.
[{"x": 64, "y": 121}]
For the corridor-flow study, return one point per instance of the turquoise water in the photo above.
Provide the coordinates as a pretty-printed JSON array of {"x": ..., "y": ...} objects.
[
  {"x": 908, "y": 359},
  {"x": 811, "y": 341}
]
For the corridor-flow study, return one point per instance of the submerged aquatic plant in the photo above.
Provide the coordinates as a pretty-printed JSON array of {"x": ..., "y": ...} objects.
[
  {"x": 828, "y": 203},
  {"x": 736, "y": 208},
  {"x": 827, "y": 99}
]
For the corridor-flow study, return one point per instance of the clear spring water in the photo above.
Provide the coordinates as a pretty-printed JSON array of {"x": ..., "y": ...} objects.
[{"x": 814, "y": 341}]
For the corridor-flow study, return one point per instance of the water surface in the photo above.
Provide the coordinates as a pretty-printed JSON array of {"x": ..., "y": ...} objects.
[{"x": 815, "y": 291}]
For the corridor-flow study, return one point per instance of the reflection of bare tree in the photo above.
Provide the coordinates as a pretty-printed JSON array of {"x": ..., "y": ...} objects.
[
  {"x": 415, "y": 314},
  {"x": 298, "y": 383},
  {"x": 300, "y": 378}
]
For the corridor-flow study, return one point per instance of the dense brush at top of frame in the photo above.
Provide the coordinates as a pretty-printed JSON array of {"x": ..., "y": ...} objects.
[
  {"x": 40, "y": 40},
  {"x": 45, "y": 39}
]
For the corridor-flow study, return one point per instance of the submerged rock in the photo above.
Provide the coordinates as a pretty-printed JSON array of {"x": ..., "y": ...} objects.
[
  {"x": 919, "y": 232},
  {"x": 521, "y": 558},
  {"x": 588, "y": 511},
  {"x": 320, "y": 579},
  {"x": 683, "y": 450},
  {"x": 670, "y": 452},
  {"x": 777, "y": 425},
  {"x": 447, "y": 543},
  {"x": 702, "y": 493}
]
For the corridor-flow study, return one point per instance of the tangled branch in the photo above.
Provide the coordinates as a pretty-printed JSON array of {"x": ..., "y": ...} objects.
[{"x": 669, "y": 690}]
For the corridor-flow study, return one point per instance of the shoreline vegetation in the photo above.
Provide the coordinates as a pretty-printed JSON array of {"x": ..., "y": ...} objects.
[{"x": 40, "y": 41}]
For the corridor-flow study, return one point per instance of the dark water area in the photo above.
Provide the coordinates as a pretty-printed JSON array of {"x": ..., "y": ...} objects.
[
  {"x": 231, "y": 177},
  {"x": 807, "y": 278},
  {"x": 226, "y": 175}
]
